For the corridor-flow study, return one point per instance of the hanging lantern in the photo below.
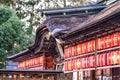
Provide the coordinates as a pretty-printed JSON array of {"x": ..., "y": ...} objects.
[
  {"x": 65, "y": 52},
  {"x": 93, "y": 45},
  {"x": 104, "y": 42},
  {"x": 83, "y": 48},
  {"x": 108, "y": 58},
  {"x": 98, "y": 60},
  {"x": 118, "y": 38},
  {"x": 80, "y": 63},
  {"x": 79, "y": 49},
  {"x": 69, "y": 52},
  {"x": 77, "y": 64},
  {"x": 72, "y": 51},
  {"x": 115, "y": 39},
  {"x": 19, "y": 65},
  {"x": 42, "y": 60},
  {"x": 75, "y": 50},
  {"x": 70, "y": 65},
  {"x": 65, "y": 66},
  {"x": 30, "y": 64},
  {"x": 86, "y": 47},
  {"x": 86, "y": 65},
  {"x": 89, "y": 46},
  {"x": 103, "y": 56},
  {"x": 73, "y": 64},
  {"x": 108, "y": 41},
  {"x": 33, "y": 61},
  {"x": 83, "y": 62},
  {"x": 92, "y": 61},
  {"x": 25, "y": 63},
  {"x": 99, "y": 43},
  {"x": 117, "y": 56}
]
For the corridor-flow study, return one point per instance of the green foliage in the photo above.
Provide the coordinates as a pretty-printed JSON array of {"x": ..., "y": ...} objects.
[{"x": 13, "y": 36}]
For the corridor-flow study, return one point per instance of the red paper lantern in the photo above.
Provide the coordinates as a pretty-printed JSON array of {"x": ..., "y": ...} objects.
[
  {"x": 89, "y": 46},
  {"x": 65, "y": 65},
  {"x": 69, "y": 65},
  {"x": 69, "y": 52},
  {"x": 79, "y": 49},
  {"x": 112, "y": 40},
  {"x": 99, "y": 43},
  {"x": 27, "y": 63},
  {"x": 42, "y": 60},
  {"x": 108, "y": 41},
  {"x": 108, "y": 58},
  {"x": 118, "y": 57},
  {"x": 24, "y": 63},
  {"x": 38, "y": 60},
  {"x": 78, "y": 64},
  {"x": 104, "y": 42},
  {"x": 93, "y": 45},
  {"x": 19, "y": 65},
  {"x": 84, "y": 48},
  {"x": 83, "y": 62},
  {"x": 66, "y": 52},
  {"x": 86, "y": 62},
  {"x": 115, "y": 57},
  {"x": 35, "y": 60},
  {"x": 73, "y": 64},
  {"x": 98, "y": 60},
  {"x": 92, "y": 61},
  {"x": 32, "y": 61},
  {"x": 103, "y": 56},
  {"x": 115, "y": 39},
  {"x": 73, "y": 51},
  {"x": 119, "y": 38}
]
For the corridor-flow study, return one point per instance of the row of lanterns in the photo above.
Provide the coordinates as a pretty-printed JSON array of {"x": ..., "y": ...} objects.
[
  {"x": 109, "y": 58},
  {"x": 108, "y": 41},
  {"x": 103, "y": 59},
  {"x": 89, "y": 46},
  {"x": 31, "y": 62},
  {"x": 80, "y": 49},
  {"x": 79, "y": 63}
]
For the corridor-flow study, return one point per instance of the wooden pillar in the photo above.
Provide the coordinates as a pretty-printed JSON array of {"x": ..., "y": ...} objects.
[{"x": 20, "y": 77}]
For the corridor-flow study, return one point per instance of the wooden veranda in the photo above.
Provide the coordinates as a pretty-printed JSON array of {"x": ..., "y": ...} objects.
[{"x": 29, "y": 74}]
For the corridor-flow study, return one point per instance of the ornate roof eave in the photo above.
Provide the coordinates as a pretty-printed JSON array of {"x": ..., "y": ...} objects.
[{"x": 106, "y": 14}]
